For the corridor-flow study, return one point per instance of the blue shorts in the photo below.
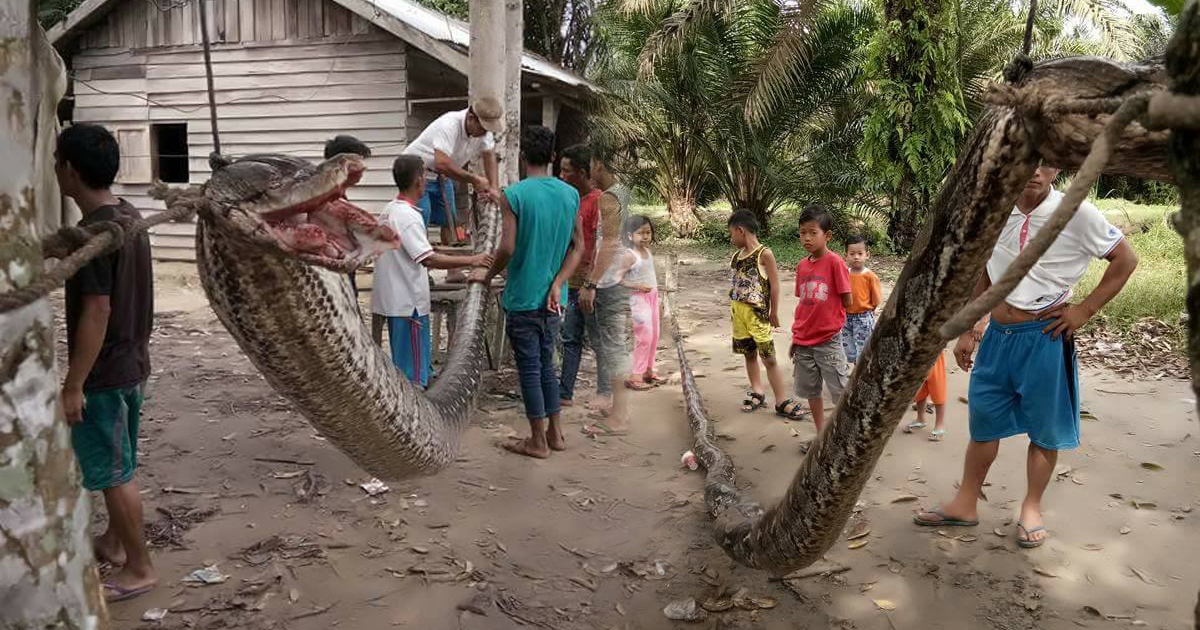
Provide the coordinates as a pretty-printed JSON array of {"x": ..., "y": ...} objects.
[
  {"x": 410, "y": 341},
  {"x": 433, "y": 202},
  {"x": 1025, "y": 381}
]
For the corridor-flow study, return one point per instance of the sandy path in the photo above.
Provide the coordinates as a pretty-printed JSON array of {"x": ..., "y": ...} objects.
[{"x": 544, "y": 535}]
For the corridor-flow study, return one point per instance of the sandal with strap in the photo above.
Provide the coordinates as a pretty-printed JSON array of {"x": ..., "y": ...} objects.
[
  {"x": 791, "y": 409},
  {"x": 937, "y": 435},
  {"x": 1027, "y": 542},
  {"x": 753, "y": 402}
]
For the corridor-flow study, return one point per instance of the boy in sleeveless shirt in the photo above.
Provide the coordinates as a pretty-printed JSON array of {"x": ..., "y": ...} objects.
[{"x": 754, "y": 309}]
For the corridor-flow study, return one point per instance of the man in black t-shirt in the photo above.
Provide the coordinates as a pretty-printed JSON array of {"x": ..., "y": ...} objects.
[{"x": 110, "y": 306}]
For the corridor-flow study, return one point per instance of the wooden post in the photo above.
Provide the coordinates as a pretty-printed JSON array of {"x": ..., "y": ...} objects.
[
  {"x": 485, "y": 71},
  {"x": 48, "y": 575},
  {"x": 514, "y": 36},
  {"x": 550, "y": 112}
]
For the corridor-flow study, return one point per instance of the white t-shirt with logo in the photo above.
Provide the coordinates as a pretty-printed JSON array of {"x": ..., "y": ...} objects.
[
  {"x": 448, "y": 134},
  {"x": 1088, "y": 236},
  {"x": 401, "y": 283}
]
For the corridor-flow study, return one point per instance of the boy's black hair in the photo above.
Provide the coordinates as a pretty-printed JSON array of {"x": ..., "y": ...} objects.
[
  {"x": 406, "y": 170},
  {"x": 580, "y": 156},
  {"x": 855, "y": 239},
  {"x": 816, "y": 213},
  {"x": 346, "y": 144},
  {"x": 633, "y": 224},
  {"x": 537, "y": 145},
  {"x": 745, "y": 220},
  {"x": 93, "y": 152}
]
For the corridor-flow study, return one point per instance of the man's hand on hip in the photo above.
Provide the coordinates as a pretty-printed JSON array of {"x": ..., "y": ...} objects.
[{"x": 1065, "y": 319}]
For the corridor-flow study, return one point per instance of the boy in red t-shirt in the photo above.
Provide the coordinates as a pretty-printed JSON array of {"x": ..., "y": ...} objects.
[{"x": 823, "y": 286}]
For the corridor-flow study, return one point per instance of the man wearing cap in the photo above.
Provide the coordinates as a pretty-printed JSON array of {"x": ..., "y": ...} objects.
[{"x": 446, "y": 146}]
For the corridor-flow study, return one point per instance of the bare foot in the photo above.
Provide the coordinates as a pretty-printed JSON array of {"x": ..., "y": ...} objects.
[
  {"x": 949, "y": 516},
  {"x": 555, "y": 439},
  {"x": 526, "y": 447},
  {"x": 108, "y": 551}
]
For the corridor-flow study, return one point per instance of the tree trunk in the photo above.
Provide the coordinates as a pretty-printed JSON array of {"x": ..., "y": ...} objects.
[
  {"x": 1183, "y": 67},
  {"x": 514, "y": 48},
  {"x": 681, "y": 209},
  {"x": 47, "y": 576},
  {"x": 486, "y": 66}
]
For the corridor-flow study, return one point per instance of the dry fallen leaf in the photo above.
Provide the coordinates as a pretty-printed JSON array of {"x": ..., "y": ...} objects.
[
  {"x": 293, "y": 595},
  {"x": 999, "y": 532},
  {"x": 1143, "y": 576},
  {"x": 905, "y": 498},
  {"x": 967, "y": 538},
  {"x": 1152, "y": 466},
  {"x": 620, "y": 609},
  {"x": 1045, "y": 572},
  {"x": 858, "y": 544},
  {"x": 1125, "y": 530},
  {"x": 885, "y": 604},
  {"x": 860, "y": 530},
  {"x": 1093, "y": 547},
  {"x": 1143, "y": 505}
]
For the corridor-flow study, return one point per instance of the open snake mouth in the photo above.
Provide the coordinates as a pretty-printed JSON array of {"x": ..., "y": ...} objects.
[{"x": 302, "y": 209}]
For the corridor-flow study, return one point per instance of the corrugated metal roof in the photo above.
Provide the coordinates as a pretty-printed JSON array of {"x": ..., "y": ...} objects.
[{"x": 456, "y": 32}]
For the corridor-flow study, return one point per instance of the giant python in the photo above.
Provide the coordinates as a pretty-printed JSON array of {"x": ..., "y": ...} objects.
[{"x": 281, "y": 293}]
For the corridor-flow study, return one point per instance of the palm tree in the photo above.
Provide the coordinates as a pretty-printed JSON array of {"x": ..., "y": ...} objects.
[{"x": 687, "y": 113}]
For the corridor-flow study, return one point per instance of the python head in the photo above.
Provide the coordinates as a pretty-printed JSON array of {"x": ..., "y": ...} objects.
[{"x": 300, "y": 209}]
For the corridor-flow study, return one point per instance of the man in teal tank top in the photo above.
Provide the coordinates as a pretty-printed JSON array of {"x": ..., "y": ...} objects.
[{"x": 541, "y": 244}]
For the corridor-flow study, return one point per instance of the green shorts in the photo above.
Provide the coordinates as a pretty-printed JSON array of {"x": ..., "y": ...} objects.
[{"x": 105, "y": 442}]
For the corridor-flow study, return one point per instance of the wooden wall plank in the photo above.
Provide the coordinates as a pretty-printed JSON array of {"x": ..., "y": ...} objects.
[
  {"x": 232, "y": 11},
  {"x": 262, "y": 20},
  {"x": 263, "y": 68},
  {"x": 246, "y": 20},
  {"x": 227, "y": 54},
  {"x": 317, "y": 19},
  {"x": 303, "y": 17},
  {"x": 393, "y": 79},
  {"x": 291, "y": 8},
  {"x": 278, "y": 20}
]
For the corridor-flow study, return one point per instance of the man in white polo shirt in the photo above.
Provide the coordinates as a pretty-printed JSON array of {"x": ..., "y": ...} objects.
[
  {"x": 446, "y": 146},
  {"x": 1025, "y": 379}
]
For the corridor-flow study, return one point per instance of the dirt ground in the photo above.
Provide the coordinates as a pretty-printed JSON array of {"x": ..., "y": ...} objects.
[{"x": 606, "y": 534}]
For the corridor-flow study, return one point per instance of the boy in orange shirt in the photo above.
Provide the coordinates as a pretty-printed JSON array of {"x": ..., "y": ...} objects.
[
  {"x": 933, "y": 389},
  {"x": 866, "y": 295}
]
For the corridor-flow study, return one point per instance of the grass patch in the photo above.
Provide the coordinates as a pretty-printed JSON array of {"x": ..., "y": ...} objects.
[{"x": 1157, "y": 289}]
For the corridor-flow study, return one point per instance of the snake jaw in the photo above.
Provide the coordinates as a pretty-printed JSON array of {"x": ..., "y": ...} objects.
[{"x": 302, "y": 210}]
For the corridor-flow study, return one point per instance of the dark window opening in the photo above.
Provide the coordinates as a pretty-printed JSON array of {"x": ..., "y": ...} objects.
[{"x": 170, "y": 145}]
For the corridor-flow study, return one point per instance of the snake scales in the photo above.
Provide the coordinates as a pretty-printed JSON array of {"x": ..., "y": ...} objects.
[{"x": 298, "y": 323}]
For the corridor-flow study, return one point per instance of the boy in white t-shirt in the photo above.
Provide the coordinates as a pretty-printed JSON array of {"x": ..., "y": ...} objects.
[
  {"x": 1025, "y": 379},
  {"x": 401, "y": 287}
]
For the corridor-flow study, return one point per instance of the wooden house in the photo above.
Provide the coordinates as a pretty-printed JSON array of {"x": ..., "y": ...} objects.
[{"x": 288, "y": 75}]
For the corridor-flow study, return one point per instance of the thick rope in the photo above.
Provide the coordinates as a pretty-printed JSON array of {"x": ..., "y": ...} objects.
[
  {"x": 92, "y": 242},
  {"x": 1023, "y": 63},
  {"x": 1089, "y": 172}
]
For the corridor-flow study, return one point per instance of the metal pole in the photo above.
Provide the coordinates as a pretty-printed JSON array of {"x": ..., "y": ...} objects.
[{"x": 208, "y": 75}]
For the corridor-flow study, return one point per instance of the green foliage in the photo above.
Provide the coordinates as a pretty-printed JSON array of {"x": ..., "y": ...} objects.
[
  {"x": 919, "y": 116},
  {"x": 1158, "y": 288},
  {"x": 1173, "y": 7},
  {"x": 51, "y": 12},
  {"x": 713, "y": 115},
  {"x": 454, "y": 8}
]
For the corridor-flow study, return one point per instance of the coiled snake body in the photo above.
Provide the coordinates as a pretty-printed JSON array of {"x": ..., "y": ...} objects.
[{"x": 298, "y": 323}]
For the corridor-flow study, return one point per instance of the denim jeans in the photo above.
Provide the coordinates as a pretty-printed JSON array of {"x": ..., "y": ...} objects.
[
  {"x": 532, "y": 335},
  {"x": 577, "y": 328}
]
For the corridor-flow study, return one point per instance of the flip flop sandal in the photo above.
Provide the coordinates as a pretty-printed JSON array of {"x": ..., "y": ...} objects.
[
  {"x": 753, "y": 402},
  {"x": 602, "y": 430},
  {"x": 936, "y": 435},
  {"x": 1028, "y": 543},
  {"x": 598, "y": 414},
  {"x": 120, "y": 594},
  {"x": 913, "y": 426},
  {"x": 944, "y": 521},
  {"x": 655, "y": 380},
  {"x": 637, "y": 387},
  {"x": 797, "y": 412}
]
